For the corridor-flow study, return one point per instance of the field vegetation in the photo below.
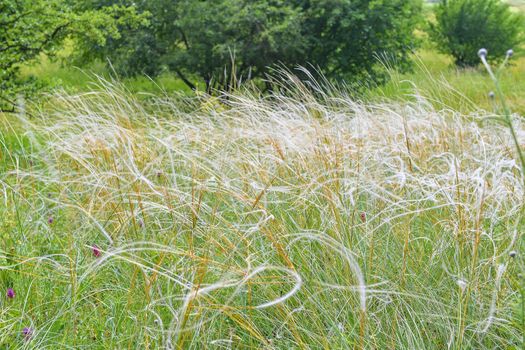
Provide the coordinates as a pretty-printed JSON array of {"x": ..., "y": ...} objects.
[{"x": 292, "y": 211}]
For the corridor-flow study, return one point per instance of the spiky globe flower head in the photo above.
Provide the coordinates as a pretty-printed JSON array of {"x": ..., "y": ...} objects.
[
  {"x": 513, "y": 254},
  {"x": 10, "y": 293},
  {"x": 482, "y": 53},
  {"x": 492, "y": 95},
  {"x": 50, "y": 220},
  {"x": 510, "y": 52}
]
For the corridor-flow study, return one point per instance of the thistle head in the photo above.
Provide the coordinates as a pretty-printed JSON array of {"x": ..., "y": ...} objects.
[
  {"x": 363, "y": 216},
  {"x": 96, "y": 250},
  {"x": 10, "y": 293},
  {"x": 50, "y": 220}
]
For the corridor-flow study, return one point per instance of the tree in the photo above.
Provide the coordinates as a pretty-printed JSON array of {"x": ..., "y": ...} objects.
[
  {"x": 346, "y": 37},
  {"x": 215, "y": 41},
  {"x": 32, "y": 27},
  {"x": 462, "y": 27},
  {"x": 222, "y": 41}
]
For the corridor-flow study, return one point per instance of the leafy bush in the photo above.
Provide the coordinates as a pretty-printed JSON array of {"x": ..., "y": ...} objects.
[
  {"x": 214, "y": 41},
  {"x": 462, "y": 27}
]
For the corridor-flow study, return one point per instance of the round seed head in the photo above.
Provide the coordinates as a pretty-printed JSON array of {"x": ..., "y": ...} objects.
[
  {"x": 492, "y": 95},
  {"x": 510, "y": 52},
  {"x": 482, "y": 53}
]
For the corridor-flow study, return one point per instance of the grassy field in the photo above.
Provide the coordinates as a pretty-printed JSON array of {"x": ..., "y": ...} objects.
[
  {"x": 434, "y": 76},
  {"x": 466, "y": 90},
  {"x": 300, "y": 221}
]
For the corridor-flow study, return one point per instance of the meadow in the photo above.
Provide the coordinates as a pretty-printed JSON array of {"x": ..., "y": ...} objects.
[
  {"x": 137, "y": 214},
  {"x": 305, "y": 220}
]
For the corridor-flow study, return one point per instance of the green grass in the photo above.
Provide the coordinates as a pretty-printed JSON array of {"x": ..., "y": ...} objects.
[
  {"x": 436, "y": 77},
  {"x": 55, "y": 74},
  {"x": 302, "y": 221}
]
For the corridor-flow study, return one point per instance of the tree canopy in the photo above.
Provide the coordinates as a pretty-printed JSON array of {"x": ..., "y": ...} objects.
[
  {"x": 223, "y": 40},
  {"x": 464, "y": 26},
  {"x": 31, "y": 27},
  {"x": 211, "y": 42}
]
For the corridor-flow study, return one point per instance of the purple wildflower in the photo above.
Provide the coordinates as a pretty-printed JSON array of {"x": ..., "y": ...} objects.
[
  {"x": 96, "y": 250},
  {"x": 10, "y": 293},
  {"x": 27, "y": 332},
  {"x": 363, "y": 217},
  {"x": 50, "y": 220}
]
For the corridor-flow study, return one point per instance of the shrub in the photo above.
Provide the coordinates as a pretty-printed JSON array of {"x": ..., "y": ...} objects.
[{"x": 462, "y": 27}]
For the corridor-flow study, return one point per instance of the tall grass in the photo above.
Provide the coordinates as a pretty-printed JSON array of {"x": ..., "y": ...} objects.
[{"x": 301, "y": 220}]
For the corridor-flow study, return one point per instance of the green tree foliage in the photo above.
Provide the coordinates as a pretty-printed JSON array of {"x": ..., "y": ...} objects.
[
  {"x": 222, "y": 40},
  {"x": 462, "y": 27},
  {"x": 32, "y": 27},
  {"x": 345, "y": 37}
]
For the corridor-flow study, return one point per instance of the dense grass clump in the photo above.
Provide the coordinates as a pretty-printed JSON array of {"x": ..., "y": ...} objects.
[{"x": 300, "y": 220}]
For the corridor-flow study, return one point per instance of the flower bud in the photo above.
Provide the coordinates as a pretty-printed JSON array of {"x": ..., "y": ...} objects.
[{"x": 96, "y": 251}]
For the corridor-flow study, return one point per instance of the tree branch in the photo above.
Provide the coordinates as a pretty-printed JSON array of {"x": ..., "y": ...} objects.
[{"x": 185, "y": 80}]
